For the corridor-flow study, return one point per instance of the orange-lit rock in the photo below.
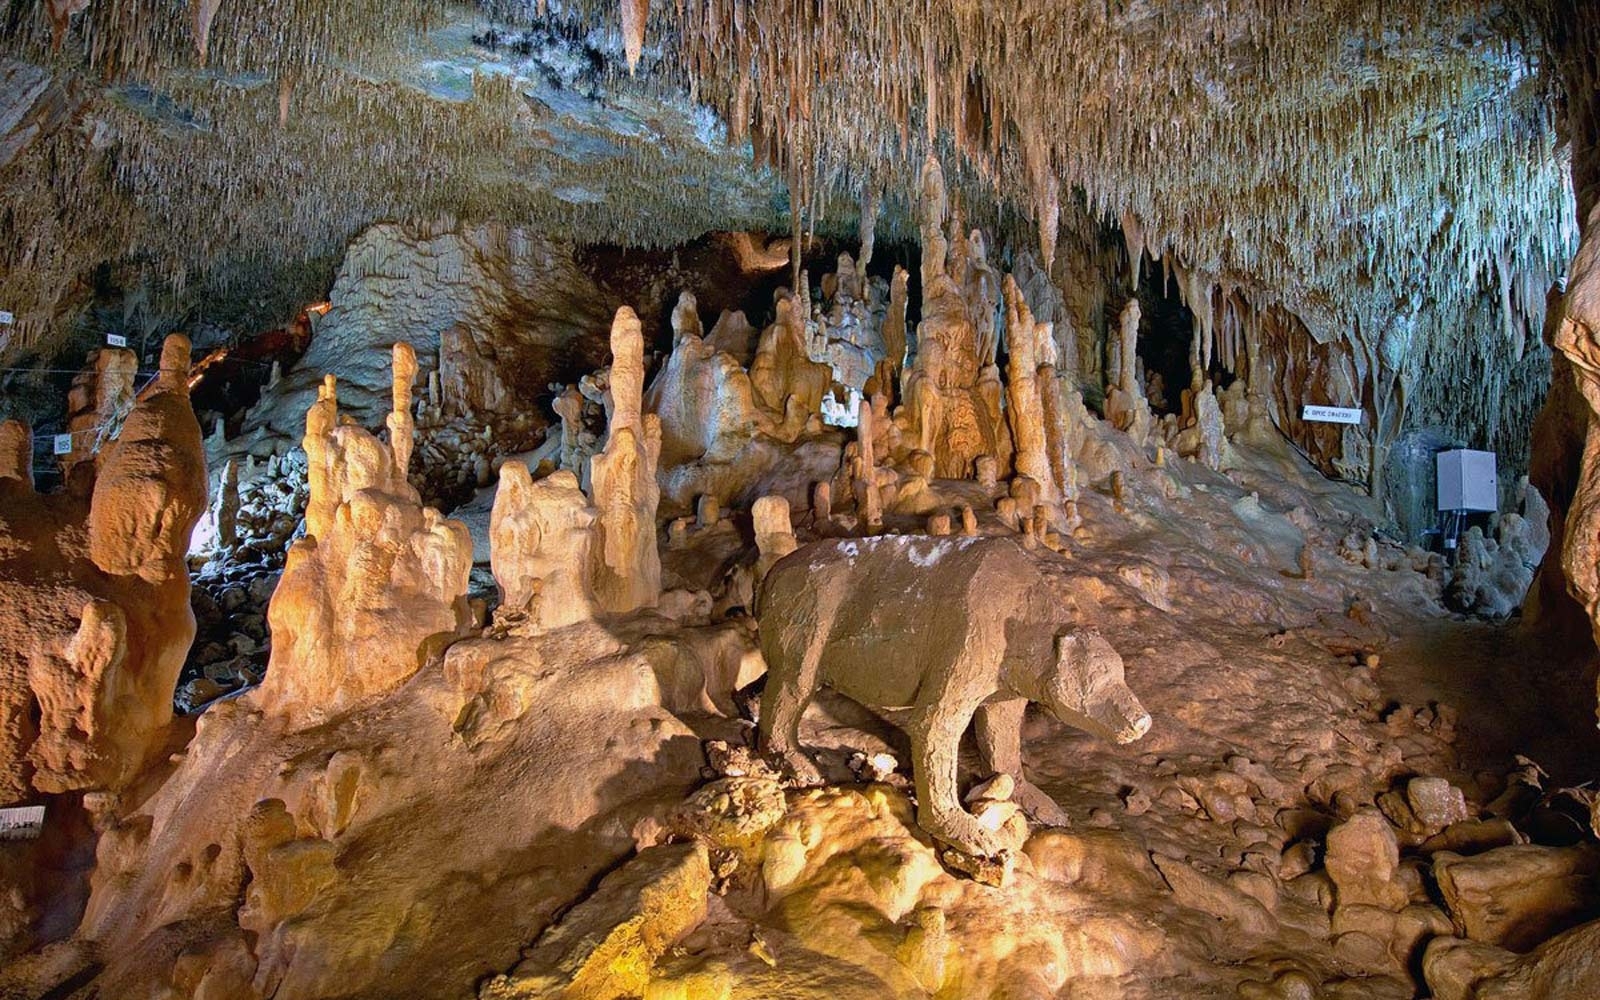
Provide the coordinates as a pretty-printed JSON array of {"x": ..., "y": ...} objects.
[{"x": 94, "y": 596}]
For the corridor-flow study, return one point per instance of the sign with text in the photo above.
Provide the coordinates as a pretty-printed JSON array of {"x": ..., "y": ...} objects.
[
  {"x": 1331, "y": 414},
  {"x": 116, "y": 340},
  {"x": 6, "y": 319},
  {"x": 63, "y": 444},
  {"x": 21, "y": 822}
]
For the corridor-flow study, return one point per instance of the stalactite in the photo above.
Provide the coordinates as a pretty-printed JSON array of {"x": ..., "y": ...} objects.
[
  {"x": 634, "y": 15},
  {"x": 201, "y": 13}
]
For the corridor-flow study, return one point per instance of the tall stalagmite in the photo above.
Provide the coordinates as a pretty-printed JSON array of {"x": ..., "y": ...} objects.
[{"x": 627, "y": 564}]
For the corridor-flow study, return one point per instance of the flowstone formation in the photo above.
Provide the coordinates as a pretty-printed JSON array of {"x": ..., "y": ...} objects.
[
  {"x": 378, "y": 584},
  {"x": 94, "y": 588}
]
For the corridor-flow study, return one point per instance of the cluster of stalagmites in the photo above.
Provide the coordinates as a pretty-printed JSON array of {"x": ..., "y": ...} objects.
[
  {"x": 379, "y": 581},
  {"x": 940, "y": 447}
]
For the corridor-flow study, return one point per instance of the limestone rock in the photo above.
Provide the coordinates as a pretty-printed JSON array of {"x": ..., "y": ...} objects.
[
  {"x": 1363, "y": 860},
  {"x": 1515, "y": 897},
  {"x": 703, "y": 397},
  {"x": 516, "y": 298},
  {"x": 605, "y": 947},
  {"x": 1567, "y": 967},
  {"x": 774, "y": 534}
]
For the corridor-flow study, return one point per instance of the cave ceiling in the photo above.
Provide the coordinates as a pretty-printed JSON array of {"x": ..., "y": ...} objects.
[{"x": 1375, "y": 168}]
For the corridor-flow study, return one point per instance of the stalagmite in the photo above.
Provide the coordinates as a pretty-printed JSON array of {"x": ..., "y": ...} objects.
[
  {"x": 894, "y": 324},
  {"x": 952, "y": 406},
  {"x": 822, "y": 502},
  {"x": 98, "y": 400},
  {"x": 869, "y": 500},
  {"x": 540, "y": 536},
  {"x": 402, "y": 428},
  {"x": 1026, "y": 411},
  {"x": 16, "y": 452},
  {"x": 1126, "y": 406},
  {"x": 226, "y": 508},
  {"x": 626, "y": 563},
  {"x": 774, "y": 534}
]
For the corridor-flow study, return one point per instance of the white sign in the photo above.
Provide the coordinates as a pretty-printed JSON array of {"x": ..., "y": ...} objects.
[
  {"x": 1331, "y": 414},
  {"x": 116, "y": 340},
  {"x": 63, "y": 444},
  {"x": 21, "y": 822},
  {"x": 6, "y": 319}
]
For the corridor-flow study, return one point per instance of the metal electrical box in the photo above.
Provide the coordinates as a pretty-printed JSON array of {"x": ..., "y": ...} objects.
[{"x": 1467, "y": 481}]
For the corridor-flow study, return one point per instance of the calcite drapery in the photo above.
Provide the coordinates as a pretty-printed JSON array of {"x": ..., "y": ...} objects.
[
  {"x": 94, "y": 595},
  {"x": 379, "y": 581}
]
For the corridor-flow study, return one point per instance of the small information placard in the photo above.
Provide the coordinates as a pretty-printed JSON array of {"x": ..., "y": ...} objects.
[
  {"x": 6, "y": 319},
  {"x": 1331, "y": 414},
  {"x": 116, "y": 340},
  {"x": 63, "y": 444},
  {"x": 21, "y": 822}
]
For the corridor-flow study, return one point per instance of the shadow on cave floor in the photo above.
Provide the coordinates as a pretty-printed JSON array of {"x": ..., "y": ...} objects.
[{"x": 1515, "y": 694}]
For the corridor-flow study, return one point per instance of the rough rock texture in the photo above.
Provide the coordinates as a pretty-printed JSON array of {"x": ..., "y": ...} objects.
[
  {"x": 1516, "y": 897},
  {"x": 1567, "y": 967},
  {"x": 952, "y": 392},
  {"x": 350, "y": 859},
  {"x": 787, "y": 382},
  {"x": 99, "y": 399},
  {"x": 703, "y": 396},
  {"x": 774, "y": 533},
  {"x": 855, "y": 616},
  {"x": 590, "y": 955},
  {"x": 94, "y": 596},
  {"x": 377, "y": 584},
  {"x": 1492, "y": 576}
]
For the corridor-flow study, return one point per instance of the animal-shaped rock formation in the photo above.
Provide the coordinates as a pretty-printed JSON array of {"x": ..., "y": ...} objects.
[
  {"x": 94, "y": 595},
  {"x": 953, "y": 628}
]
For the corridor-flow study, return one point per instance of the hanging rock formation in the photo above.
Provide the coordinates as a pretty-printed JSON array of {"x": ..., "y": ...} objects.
[
  {"x": 377, "y": 584},
  {"x": 94, "y": 596}
]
